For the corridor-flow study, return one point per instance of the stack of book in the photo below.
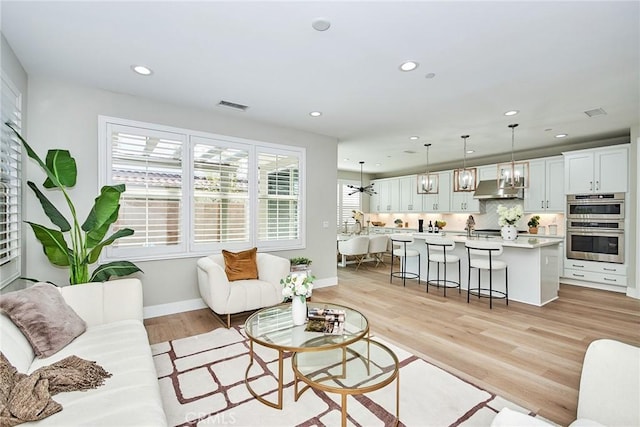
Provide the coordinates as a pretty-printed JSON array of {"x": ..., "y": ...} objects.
[{"x": 327, "y": 320}]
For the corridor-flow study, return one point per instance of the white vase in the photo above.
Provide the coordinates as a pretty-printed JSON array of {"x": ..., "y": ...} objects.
[
  {"x": 509, "y": 232},
  {"x": 299, "y": 310}
]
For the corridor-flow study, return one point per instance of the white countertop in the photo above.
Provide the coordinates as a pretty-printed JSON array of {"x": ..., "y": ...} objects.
[{"x": 526, "y": 241}]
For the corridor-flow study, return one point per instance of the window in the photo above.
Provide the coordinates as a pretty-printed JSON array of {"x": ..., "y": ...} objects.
[
  {"x": 278, "y": 198},
  {"x": 347, "y": 202},
  {"x": 190, "y": 193},
  {"x": 10, "y": 175}
]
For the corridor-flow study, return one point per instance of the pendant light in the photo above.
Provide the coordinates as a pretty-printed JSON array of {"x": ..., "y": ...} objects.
[
  {"x": 427, "y": 182},
  {"x": 465, "y": 179},
  {"x": 513, "y": 174},
  {"x": 368, "y": 189}
]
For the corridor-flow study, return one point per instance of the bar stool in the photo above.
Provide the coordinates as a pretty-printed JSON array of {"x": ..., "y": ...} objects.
[
  {"x": 439, "y": 251},
  {"x": 399, "y": 249},
  {"x": 482, "y": 255}
]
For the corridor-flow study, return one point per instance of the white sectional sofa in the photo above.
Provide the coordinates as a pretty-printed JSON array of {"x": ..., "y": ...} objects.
[{"x": 117, "y": 340}]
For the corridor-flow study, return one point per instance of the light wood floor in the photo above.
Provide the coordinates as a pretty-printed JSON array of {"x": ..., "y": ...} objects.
[{"x": 530, "y": 355}]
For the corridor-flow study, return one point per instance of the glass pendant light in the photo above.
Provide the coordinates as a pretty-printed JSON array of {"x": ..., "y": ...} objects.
[
  {"x": 465, "y": 179},
  {"x": 513, "y": 174},
  {"x": 427, "y": 182}
]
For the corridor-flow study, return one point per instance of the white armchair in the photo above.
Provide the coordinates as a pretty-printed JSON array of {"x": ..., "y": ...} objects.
[
  {"x": 225, "y": 297},
  {"x": 357, "y": 247},
  {"x": 609, "y": 389}
]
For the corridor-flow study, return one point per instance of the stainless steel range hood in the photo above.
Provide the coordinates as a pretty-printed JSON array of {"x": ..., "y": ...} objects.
[{"x": 489, "y": 190}]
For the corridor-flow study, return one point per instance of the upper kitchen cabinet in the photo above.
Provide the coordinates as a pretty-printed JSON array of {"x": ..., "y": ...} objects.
[
  {"x": 387, "y": 199},
  {"x": 441, "y": 201},
  {"x": 410, "y": 200},
  {"x": 598, "y": 170},
  {"x": 546, "y": 189}
]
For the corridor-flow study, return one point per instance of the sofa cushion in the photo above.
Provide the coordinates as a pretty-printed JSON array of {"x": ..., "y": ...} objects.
[
  {"x": 43, "y": 316},
  {"x": 130, "y": 397},
  {"x": 240, "y": 265}
]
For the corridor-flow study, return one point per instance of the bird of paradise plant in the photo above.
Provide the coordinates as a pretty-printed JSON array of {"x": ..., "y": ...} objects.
[{"x": 87, "y": 240}]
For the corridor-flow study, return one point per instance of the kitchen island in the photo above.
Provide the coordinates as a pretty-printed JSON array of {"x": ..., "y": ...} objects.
[{"x": 533, "y": 266}]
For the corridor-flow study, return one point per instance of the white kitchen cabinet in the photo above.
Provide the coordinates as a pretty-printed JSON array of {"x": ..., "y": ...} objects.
[
  {"x": 546, "y": 189},
  {"x": 464, "y": 202},
  {"x": 410, "y": 200},
  {"x": 598, "y": 272},
  {"x": 598, "y": 170},
  {"x": 387, "y": 199},
  {"x": 440, "y": 202},
  {"x": 488, "y": 172}
]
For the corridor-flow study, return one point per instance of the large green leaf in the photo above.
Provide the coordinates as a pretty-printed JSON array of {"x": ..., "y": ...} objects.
[
  {"x": 52, "y": 212},
  {"x": 63, "y": 167},
  {"x": 53, "y": 243},
  {"x": 95, "y": 252},
  {"x": 116, "y": 268},
  {"x": 104, "y": 213},
  {"x": 35, "y": 156}
]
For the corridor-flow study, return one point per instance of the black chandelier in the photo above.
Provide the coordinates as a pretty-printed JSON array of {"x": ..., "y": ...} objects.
[{"x": 368, "y": 189}]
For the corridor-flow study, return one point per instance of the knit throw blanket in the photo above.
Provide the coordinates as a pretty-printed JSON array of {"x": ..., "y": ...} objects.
[{"x": 28, "y": 397}]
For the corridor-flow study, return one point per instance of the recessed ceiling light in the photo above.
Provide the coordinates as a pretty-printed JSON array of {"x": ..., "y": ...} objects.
[
  {"x": 470, "y": 151},
  {"x": 408, "y": 66},
  {"x": 430, "y": 75},
  {"x": 511, "y": 113},
  {"x": 414, "y": 138},
  {"x": 378, "y": 164},
  {"x": 561, "y": 135},
  {"x": 315, "y": 113},
  {"x": 320, "y": 24},
  {"x": 142, "y": 70},
  {"x": 346, "y": 159}
]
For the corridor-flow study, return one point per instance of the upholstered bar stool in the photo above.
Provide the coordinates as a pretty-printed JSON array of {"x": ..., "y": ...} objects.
[
  {"x": 439, "y": 250},
  {"x": 378, "y": 247},
  {"x": 483, "y": 256},
  {"x": 399, "y": 243}
]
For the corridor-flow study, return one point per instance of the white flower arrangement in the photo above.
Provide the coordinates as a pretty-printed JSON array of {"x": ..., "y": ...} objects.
[
  {"x": 509, "y": 216},
  {"x": 297, "y": 285},
  {"x": 357, "y": 215}
]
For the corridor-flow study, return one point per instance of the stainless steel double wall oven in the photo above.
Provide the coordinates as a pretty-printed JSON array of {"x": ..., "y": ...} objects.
[{"x": 595, "y": 227}]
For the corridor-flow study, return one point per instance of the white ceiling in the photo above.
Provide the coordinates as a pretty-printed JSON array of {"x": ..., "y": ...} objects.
[{"x": 550, "y": 60}]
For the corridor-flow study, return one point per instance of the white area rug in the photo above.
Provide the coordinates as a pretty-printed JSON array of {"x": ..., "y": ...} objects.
[{"x": 202, "y": 383}]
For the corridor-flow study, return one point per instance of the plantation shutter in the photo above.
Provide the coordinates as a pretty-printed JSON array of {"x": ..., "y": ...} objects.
[
  {"x": 149, "y": 163},
  {"x": 278, "y": 196},
  {"x": 10, "y": 188},
  {"x": 221, "y": 204},
  {"x": 347, "y": 203}
]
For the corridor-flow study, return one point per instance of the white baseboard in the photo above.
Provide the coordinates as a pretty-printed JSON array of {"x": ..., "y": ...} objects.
[
  {"x": 323, "y": 283},
  {"x": 196, "y": 304},
  {"x": 173, "y": 308}
]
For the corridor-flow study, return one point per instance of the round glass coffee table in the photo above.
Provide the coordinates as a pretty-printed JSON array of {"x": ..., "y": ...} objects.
[
  {"x": 360, "y": 367},
  {"x": 273, "y": 327}
]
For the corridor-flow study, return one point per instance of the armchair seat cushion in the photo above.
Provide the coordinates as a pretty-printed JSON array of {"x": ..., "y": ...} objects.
[{"x": 226, "y": 297}]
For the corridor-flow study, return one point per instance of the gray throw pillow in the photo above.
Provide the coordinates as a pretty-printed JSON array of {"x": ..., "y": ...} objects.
[{"x": 44, "y": 317}]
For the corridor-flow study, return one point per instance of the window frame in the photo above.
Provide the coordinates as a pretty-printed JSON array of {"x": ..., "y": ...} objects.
[
  {"x": 191, "y": 138},
  {"x": 12, "y": 269},
  {"x": 342, "y": 183}
]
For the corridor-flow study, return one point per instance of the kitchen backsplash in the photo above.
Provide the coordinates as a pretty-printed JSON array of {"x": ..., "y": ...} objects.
[{"x": 487, "y": 219}]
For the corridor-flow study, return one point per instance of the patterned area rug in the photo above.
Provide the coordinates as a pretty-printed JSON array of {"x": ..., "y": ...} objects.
[{"x": 202, "y": 383}]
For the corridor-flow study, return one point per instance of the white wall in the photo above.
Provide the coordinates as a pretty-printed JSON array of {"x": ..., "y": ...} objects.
[
  {"x": 65, "y": 116},
  {"x": 633, "y": 288}
]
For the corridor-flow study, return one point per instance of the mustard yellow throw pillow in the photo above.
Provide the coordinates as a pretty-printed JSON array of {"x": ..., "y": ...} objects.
[{"x": 240, "y": 265}]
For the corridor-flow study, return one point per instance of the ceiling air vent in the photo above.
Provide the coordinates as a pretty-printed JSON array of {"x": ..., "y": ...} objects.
[
  {"x": 233, "y": 105},
  {"x": 595, "y": 112}
]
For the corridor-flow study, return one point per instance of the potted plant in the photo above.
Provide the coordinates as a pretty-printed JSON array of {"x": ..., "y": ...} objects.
[
  {"x": 300, "y": 263},
  {"x": 87, "y": 239},
  {"x": 533, "y": 223}
]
